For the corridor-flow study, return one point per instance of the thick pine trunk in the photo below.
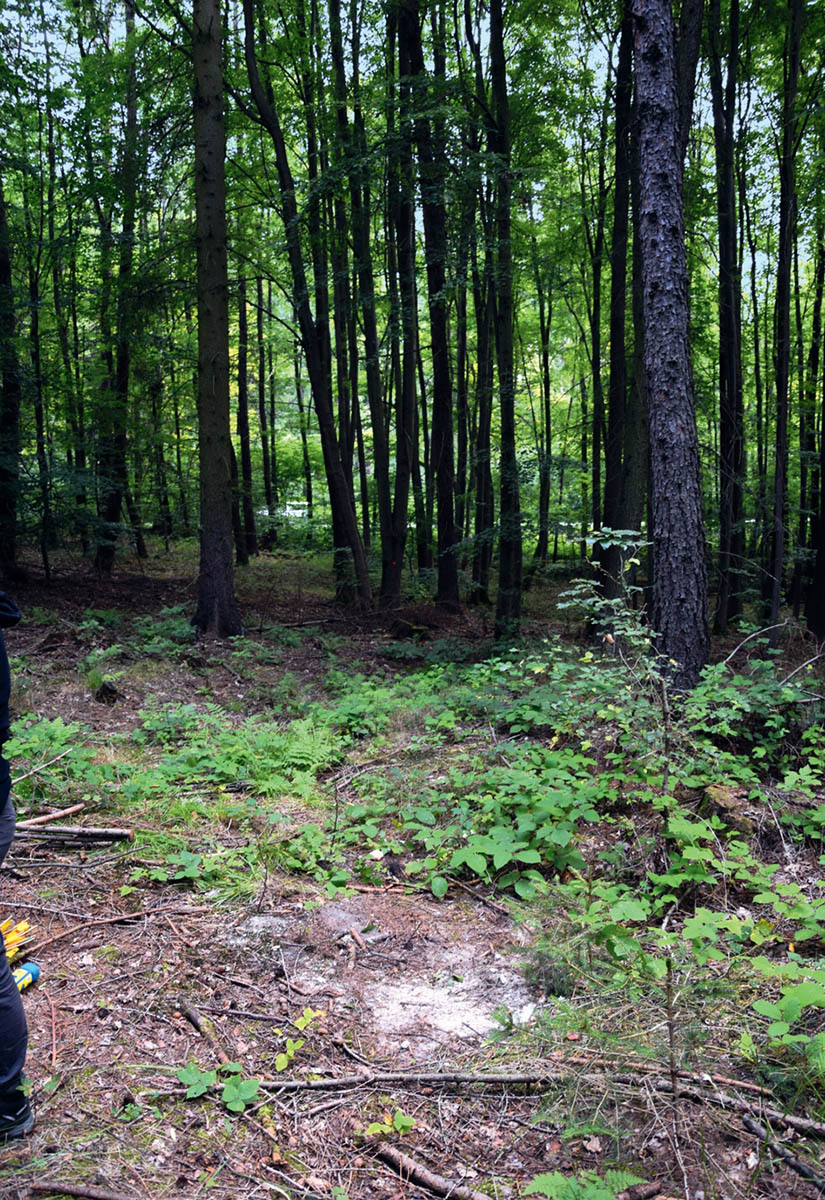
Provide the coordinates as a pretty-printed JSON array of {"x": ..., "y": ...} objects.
[{"x": 680, "y": 582}]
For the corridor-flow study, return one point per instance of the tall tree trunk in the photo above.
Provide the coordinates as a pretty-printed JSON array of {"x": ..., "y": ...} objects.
[
  {"x": 262, "y": 421},
  {"x": 680, "y": 583},
  {"x": 401, "y": 202},
  {"x": 217, "y": 610},
  {"x": 10, "y": 396},
  {"x": 245, "y": 482},
  {"x": 610, "y": 557},
  {"x": 432, "y": 167},
  {"x": 484, "y": 520},
  {"x": 115, "y": 480},
  {"x": 731, "y": 412},
  {"x": 508, "y": 604},
  {"x": 340, "y": 497},
  {"x": 782, "y": 308}
]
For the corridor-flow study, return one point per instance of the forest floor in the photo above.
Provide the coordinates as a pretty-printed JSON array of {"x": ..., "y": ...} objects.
[{"x": 360, "y": 1034}]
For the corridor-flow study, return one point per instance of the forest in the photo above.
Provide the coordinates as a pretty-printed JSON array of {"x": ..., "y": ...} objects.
[{"x": 412, "y": 476}]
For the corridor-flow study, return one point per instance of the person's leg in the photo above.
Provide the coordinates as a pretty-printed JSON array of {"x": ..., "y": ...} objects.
[{"x": 16, "y": 1116}]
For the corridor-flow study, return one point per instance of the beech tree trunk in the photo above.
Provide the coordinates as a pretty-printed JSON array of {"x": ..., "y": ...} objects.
[{"x": 680, "y": 582}]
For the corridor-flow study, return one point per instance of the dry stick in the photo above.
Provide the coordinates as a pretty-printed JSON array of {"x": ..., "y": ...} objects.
[
  {"x": 801, "y": 1125},
  {"x": 83, "y": 833},
  {"x": 356, "y": 937},
  {"x": 54, "y": 1029},
  {"x": 413, "y": 1172},
  {"x": 54, "y": 816},
  {"x": 377, "y": 1078},
  {"x": 485, "y": 900},
  {"x": 245, "y": 1013},
  {"x": 783, "y": 1152},
  {"x": 652, "y": 1068},
  {"x": 42, "y": 767},
  {"x": 143, "y": 912},
  {"x": 56, "y": 1187},
  {"x": 204, "y": 1028}
]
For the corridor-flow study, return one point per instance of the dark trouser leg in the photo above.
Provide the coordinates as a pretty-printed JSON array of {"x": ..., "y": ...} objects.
[{"x": 13, "y": 1032}]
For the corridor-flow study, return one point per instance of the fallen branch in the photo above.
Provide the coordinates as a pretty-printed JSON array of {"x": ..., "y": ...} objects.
[
  {"x": 41, "y": 820},
  {"x": 41, "y": 767},
  {"x": 652, "y": 1068},
  {"x": 56, "y": 1187},
  {"x": 204, "y": 1028},
  {"x": 411, "y": 1171},
  {"x": 80, "y": 833},
  {"x": 135, "y": 916},
  {"x": 378, "y": 1078},
  {"x": 801, "y": 1125},
  {"x": 54, "y": 1029},
  {"x": 783, "y": 1152}
]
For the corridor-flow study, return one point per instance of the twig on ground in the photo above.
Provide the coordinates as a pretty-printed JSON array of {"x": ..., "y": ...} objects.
[
  {"x": 54, "y": 816},
  {"x": 177, "y": 932},
  {"x": 116, "y": 920},
  {"x": 651, "y": 1068},
  {"x": 485, "y": 900},
  {"x": 56, "y": 1187},
  {"x": 784, "y": 1153},
  {"x": 722, "y": 1100},
  {"x": 41, "y": 767},
  {"x": 204, "y": 1028},
  {"x": 356, "y": 937},
  {"x": 414, "y": 1172},
  {"x": 54, "y": 1029}
]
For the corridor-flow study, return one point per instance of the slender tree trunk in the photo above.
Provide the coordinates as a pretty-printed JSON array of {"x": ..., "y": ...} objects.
[
  {"x": 402, "y": 238},
  {"x": 10, "y": 396},
  {"x": 245, "y": 483},
  {"x": 115, "y": 481},
  {"x": 431, "y": 163},
  {"x": 731, "y": 416},
  {"x": 508, "y": 605},
  {"x": 340, "y": 497},
  {"x": 610, "y": 557},
  {"x": 782, "y": 308},
  {"x": 262, "y": 421}
]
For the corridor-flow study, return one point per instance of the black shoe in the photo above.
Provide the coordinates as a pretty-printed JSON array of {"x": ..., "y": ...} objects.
[{"x": 16, "y": 1124}]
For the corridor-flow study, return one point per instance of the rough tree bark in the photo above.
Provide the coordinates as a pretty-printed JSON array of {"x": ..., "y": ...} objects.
[{"x": 680, "y": 583}]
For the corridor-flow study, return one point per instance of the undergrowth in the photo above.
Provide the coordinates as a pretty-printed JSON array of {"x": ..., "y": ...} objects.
[{"x": 657, "y": 843}]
